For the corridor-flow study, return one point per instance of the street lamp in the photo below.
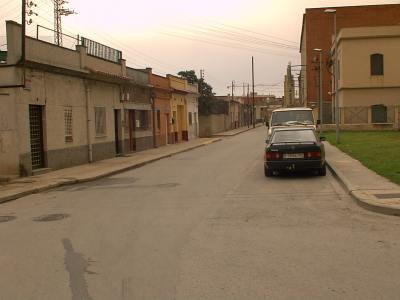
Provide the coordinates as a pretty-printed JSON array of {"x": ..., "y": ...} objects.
[
  {"x": 333, "y": 11},
  {"x": 321, "y": 101}
]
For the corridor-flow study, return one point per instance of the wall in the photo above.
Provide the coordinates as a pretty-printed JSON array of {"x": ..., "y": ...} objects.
[{"x": 212, "y": 124}]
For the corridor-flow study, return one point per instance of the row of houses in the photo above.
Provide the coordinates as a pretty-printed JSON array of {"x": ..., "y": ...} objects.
[
  {"x": 366, "y": 49},
  {"x": 239, "y": 111},
  {"x": 63, "y": 107}
]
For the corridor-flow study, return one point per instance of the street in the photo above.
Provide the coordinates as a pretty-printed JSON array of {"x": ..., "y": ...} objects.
[{"x": 204, "y": 224}]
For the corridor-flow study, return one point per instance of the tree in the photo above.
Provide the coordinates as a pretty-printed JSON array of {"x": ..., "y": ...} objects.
[
  {"x": 189, "y": 75},
  {"x": 208, "y": 103}
]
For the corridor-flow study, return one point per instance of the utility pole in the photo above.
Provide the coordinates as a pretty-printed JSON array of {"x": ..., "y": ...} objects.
[
  {"x": 252, "y": 79},
  {"x": 59, "y": 11},
  {"x": 23, "y": 32}
]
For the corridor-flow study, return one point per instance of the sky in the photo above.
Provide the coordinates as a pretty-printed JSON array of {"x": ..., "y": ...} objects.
[{"x": 217, "y": 36}]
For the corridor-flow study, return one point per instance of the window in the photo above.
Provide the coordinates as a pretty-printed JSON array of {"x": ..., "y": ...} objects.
[
  {"x": 142, "y": 119},
  {"x": 190, "y": 118},
  {"x": 158, "y": 119},
  {"x": 68, "y": 123},
  {"x": 285, "y": 136},
  {"x": 100, "y": 120},
  {"x": 377, "y": 64},
  {"x": 379, "y": 114}
]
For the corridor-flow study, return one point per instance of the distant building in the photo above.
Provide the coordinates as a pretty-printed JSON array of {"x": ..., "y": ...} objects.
[
  {"x": 317, "y": 31},
  {"x": 369, "y": 84}
]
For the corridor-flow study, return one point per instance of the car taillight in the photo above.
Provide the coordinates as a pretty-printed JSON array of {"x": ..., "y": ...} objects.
[
  {"x": 273, "y": 155},
  {"x": 313, "y": 154}
]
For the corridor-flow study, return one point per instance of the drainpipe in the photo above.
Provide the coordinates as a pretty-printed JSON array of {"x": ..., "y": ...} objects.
[{"x": 89, "y": 138}]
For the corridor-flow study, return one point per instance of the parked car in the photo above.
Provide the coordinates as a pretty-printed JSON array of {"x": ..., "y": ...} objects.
[
  {"x": 294, "y": 149},
  {"x": 296, "y": 116}
]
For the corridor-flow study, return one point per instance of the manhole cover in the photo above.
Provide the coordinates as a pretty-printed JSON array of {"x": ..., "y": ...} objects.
[
  {"x": 50, "y": 217},
  {"x": 387, "y": 196},
  {"x": 4, "y": 219}
]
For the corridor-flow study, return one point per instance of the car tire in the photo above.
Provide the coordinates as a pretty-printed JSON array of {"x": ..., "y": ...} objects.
[
  {"x": 268, "y": 172},
  {"x": 322, "y": 171}
]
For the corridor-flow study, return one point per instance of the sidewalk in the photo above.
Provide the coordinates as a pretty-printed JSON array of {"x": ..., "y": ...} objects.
[
  {"x": 235, "y": 131},
  {"x": 370, "y": 190},
  {"x": 88, "y": 172}
]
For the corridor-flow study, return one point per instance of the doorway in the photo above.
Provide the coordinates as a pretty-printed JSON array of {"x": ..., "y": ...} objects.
[{"x": 117, "y": 127}]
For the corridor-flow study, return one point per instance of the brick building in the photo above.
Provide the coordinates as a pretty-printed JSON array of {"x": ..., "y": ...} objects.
[{"x": 317, "y": 31}]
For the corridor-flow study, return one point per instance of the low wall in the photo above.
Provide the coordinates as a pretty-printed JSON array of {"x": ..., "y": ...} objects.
[{"x": 212, "y": 124}]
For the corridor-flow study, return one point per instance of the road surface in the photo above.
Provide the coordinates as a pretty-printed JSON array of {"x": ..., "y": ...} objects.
[{"x": 205, "y": 224}]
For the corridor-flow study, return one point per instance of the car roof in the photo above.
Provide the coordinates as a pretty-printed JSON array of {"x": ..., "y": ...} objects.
[
  {"x": 292, "y": 108},
  {"x": 293, "y": 128}
]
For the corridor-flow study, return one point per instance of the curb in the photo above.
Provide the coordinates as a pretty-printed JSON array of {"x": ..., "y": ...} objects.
[
  {"x": 237, "y": 133},
  {"x": 359, "y": 197},
  {"x": 106, "y": 174}
]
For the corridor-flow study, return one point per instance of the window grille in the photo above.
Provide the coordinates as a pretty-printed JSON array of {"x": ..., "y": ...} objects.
[
  {"x": 379, "y": 114},
  {"x": 100, "y": 121},
  {"x": 377, "y": 64},
  {"x": 68, "y": 124}
]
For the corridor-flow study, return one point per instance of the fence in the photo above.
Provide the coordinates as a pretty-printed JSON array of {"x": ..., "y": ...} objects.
[{"x": 49, "y": 35}]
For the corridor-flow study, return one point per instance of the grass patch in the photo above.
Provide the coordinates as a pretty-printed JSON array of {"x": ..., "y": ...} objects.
[{"x": 378, "y": 151}]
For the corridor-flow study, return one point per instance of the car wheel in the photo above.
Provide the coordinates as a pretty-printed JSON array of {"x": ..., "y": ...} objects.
[
  {"x": 322, "y": 171},
  {"x": 268, "y": 172}
]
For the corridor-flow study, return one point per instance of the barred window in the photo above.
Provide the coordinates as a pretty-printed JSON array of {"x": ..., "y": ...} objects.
[
  {"x": 68, "y": 123},
  {"x": 377, "y": 64},
  {"x": 143, "y": 119},
  {"x": 379, "y": 113},
  {"x": 100, "y": 120}
]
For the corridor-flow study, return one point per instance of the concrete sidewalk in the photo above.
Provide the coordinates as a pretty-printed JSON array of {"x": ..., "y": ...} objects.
[
  {"x": 88, "y": 172},
  {"x": 236, "y": 131},
  {"x": 370, "y": 190}
]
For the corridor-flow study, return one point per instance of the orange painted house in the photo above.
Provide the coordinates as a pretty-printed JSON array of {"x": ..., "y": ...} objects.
[{"x": 162, "y": 104}]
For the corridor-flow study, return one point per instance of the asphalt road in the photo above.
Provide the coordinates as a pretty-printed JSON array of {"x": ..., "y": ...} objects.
[{"x": 205, "y": 224}]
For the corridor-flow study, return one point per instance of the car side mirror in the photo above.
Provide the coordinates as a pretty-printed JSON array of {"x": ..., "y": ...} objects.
[
  {"x": 322, "y": 138},
  {"x": 267, "y": 141},
  {"x": 318, "y": 122}
]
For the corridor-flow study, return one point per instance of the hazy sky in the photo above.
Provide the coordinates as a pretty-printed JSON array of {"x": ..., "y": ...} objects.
[{"x": 219, "y": 36}]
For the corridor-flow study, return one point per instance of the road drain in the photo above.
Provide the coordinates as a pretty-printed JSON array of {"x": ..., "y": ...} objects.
[
  {"x": 4, "y": 219},
  {"x": 51, "y": 217}
]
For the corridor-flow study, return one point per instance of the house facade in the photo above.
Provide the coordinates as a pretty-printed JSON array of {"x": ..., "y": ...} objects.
[
  {"x": 192, "y": 103},
  {"x": 179, "y": 128},
  {"x": 162, "y": 102},
  {"x": 138, "y": 111},
  {"x": 368, "y": 81}
]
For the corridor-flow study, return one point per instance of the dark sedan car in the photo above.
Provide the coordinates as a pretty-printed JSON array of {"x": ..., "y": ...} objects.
[{"x": 294, "y": 149}]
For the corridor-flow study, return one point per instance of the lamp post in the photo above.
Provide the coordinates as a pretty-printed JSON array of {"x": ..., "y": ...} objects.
[
  {"x": 333, "y": 11},
  {"x": 321, "y": 101}
]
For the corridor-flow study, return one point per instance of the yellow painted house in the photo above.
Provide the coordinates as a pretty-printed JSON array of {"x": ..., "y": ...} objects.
[{"x": 179, "y": 128}]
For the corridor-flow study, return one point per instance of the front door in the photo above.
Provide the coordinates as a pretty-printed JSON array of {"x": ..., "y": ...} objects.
[
  {"x": 36, "y": 134},
  {"x": 167, "y": 129},
  {"x": 132, "y": 126},
  {"x": 117, "y": 122}
]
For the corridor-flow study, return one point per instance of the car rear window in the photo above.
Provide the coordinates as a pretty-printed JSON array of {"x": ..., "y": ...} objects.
[
  {"x": 287, "y": 136},
  {"x": 300, "y": 116}
]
